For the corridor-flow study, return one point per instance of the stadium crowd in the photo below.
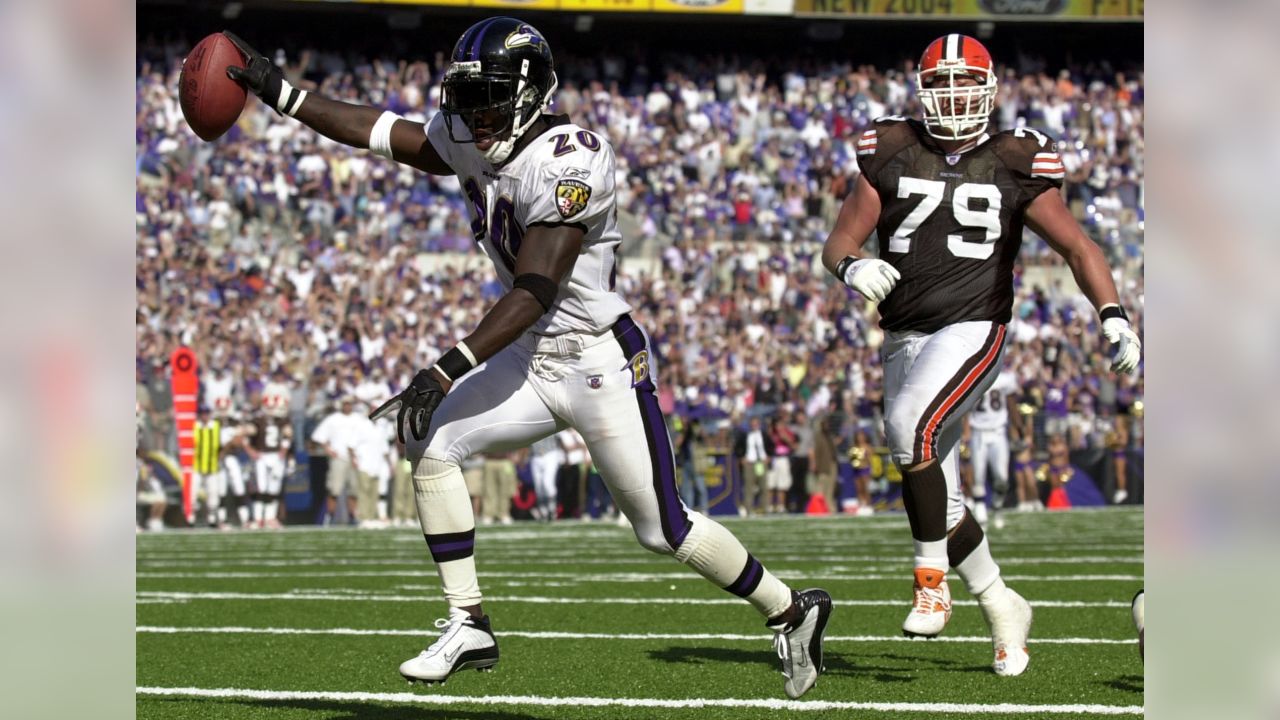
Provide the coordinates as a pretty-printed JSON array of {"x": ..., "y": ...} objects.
[{"x": 306, "y": 272}]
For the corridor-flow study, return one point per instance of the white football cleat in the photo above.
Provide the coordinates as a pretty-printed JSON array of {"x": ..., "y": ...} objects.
[
  {"x": 931, "y": 608},
  {"x": 465, "y": 642},
  {"x": 1009, "y": 617},
  {"x": 1120, "y": 497},
  {"x": 799, "y": 645}
]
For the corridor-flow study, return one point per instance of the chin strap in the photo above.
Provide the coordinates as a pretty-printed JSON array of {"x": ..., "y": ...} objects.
[{"x": 501, "y": 150}]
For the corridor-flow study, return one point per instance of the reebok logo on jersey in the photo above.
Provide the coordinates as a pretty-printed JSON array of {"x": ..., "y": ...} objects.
[{"x": 571, "y": 197}]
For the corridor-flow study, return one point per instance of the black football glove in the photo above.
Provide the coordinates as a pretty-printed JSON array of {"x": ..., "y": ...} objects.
[
  {"x": 264, "y": 79},
  {"x": 416, "y": 404}
]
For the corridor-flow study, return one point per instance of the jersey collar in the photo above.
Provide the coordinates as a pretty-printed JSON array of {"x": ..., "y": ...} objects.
[
  {"x": 548, "y": 122},
  {"x": 931, "y": 142}
]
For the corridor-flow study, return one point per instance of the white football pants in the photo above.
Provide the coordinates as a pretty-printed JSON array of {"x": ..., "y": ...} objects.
[
  {"x": 991, "y": 454},
  {"x": 931, "y": 382}
]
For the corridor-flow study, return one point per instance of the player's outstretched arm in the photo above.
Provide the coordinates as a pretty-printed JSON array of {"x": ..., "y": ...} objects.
[
  {"x": 1049, "y": 217},
  {"x": 359, "y": 126},
  {"x": 871, "y": 277}
]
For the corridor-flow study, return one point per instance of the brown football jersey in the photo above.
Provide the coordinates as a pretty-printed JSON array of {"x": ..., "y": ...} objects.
[
  {"x": 952, "y": 224},
  {"x": 271, "y": 434}
]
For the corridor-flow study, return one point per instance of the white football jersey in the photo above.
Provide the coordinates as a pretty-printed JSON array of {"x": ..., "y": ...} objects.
[
  {"x": 991, "y": 411},
  {"x": 565, "y": 176}
]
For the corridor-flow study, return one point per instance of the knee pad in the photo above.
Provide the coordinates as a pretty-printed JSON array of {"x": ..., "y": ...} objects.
[
  {"x": 695, "y": 539},
  {"x": 437, "y": 476},
  {"x": 900, "y": 433},
  {"x": 651, "y": 537},
  {"x": 653, "y": 541},
  {"x": 430, "y": 467}
]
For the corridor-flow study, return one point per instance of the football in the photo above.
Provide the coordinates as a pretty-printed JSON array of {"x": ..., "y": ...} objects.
[{"x": 211, "y": 102}]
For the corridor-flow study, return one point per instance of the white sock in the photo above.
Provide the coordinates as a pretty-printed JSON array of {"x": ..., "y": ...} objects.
[
  {"x": 382, "y": 508},
  {"x": 273, "y": 509},
  {"x": 932, "y": 554},
  {"x": 718, "y": 556},
  {"x": 258, "y": 508},
  {"x": 980, "y": 572},
  {"x": 444, "y": 510}
]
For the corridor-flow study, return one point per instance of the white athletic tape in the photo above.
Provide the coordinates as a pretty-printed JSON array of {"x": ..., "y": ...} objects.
[{"x": 380, "y": 136}]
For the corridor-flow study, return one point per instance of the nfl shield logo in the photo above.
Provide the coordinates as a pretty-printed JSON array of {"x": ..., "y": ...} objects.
[
  {"x": 953, "y": 159},
  {"x": 595, "y": 382}
]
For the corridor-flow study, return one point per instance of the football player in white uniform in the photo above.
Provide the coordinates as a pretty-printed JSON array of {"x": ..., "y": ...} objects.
[
  {"x": 989, "y": 442},
  {"x": 558, "y": 350}
]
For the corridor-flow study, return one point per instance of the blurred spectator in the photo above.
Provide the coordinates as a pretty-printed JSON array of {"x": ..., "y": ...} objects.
[
  {"x": 499, "y": 488},
  {"x": 339, "y": 435},
  {"x": 693, "y": 483},
  {"x": 755, "y": 461},
  {"x": 151, "y": 498},
  {"x": 545, "y": 458}
]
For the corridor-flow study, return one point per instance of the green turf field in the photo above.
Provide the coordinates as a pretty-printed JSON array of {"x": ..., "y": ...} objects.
[{"x": 313, "y": 623}]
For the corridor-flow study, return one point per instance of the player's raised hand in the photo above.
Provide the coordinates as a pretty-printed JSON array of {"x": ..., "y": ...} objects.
[
  {"x": 416, "y": 404},
  {"x": 872, "y": 278},
  {"x": 263, "y": 78}
]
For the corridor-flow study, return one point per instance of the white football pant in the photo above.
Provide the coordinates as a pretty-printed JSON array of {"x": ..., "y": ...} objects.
[{"x": 931, "y": 382}]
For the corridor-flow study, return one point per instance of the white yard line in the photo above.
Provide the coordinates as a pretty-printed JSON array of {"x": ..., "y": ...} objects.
[
  {"x": 754, "y": 703},
  {"x": 554, "y": 635},
  {"x": 647, "y": 577},
  {"x": 1015, "y": 560},
  {"x": 497, "y": 558},
  {"x": 348, "y": 595}
]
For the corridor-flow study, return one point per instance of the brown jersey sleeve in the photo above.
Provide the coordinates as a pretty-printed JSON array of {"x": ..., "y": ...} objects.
[
  {"x": 1033, "y": 160},
  {"x": 878, "y": 145}
]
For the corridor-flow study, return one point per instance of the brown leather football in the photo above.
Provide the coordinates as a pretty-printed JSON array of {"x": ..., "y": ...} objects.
[{"x": 211, "y": 101}]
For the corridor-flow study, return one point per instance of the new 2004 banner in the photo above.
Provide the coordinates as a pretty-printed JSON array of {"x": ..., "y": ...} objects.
[
  {"x": 1069, "y": 10},
  {"x": 663, "y": 6}
]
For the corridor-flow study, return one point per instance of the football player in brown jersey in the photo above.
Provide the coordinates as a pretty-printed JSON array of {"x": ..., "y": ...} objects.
[
  {"x": 948, "y": 202},
  {"x": 269, "y": 447}
]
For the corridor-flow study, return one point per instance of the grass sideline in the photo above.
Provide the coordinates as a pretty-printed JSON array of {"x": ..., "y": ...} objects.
[{"x": 312, "y": 623}]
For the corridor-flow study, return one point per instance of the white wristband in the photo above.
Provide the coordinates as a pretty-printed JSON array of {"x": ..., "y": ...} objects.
[
  {"x": 380, "y": 136},
  {"x": 290, "y": 98},
  {"x": 462, "y": 346}
]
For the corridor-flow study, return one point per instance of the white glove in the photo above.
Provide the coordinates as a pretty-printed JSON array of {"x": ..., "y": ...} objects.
[
  {"x": 873, "y": 279},
  {"x": 1126, "y": 347}
]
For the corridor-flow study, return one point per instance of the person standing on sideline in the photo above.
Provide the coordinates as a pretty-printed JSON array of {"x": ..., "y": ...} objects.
[
  {"x": 338, "y": 434},
  {"x": 755, "y": 463}
]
